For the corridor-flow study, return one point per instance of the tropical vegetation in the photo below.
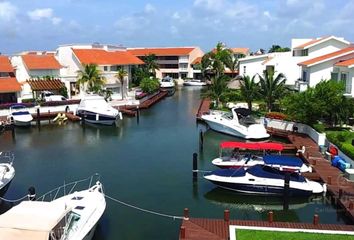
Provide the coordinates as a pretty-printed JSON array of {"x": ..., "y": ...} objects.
[
  {"x": 214, "y": 62},
  {"x": 145, "y": 71},
  {"x": 277, "y": 48},
  {"x": 91, "y": 77},
  {"x": 217, "y": 89},
  {"x": 149, "y": 85},
  {"x": 249, "y": 90},
  {"x": 120, "y": 75}
]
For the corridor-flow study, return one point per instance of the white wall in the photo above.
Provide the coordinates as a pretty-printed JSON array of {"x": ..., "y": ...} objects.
[
  {"x": 21, "y": 71},
  {"x": 253, "y": 65},
  {"x": 326, "y": 47}
]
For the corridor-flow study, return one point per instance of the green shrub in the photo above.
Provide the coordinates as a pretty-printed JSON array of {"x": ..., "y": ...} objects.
[
  {"x": 319, "y": 127},
  {"x": 348, "y": 149},
  {"x": 150, "y": 85},
  {"x": 29, "y": 100}
]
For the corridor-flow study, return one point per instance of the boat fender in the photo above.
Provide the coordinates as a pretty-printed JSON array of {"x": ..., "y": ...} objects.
[
  {"x": 31, "y": 193},
  {"x": 310, "y": 169},
  {"x": 120, "y": 116},
  {"x": 57, "y": 117},
  {"x": 324, "y": 186},
  {"x": 97, "y": 117}
]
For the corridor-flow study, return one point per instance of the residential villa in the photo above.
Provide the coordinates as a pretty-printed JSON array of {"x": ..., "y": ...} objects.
[
  {"x": 109, "y": 59},
  {"x": 36, "y": 67},
  {"x": 174, "y": 62},
  {"x": 9, "y": 86},
  {"x": 287, "y": 63}
]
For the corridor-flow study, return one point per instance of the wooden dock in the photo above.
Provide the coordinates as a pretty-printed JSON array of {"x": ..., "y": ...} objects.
[
  {"x": 52, "y": 115},
  {"x": 218, "y": 229},
  {"x": 204, "y": 107},
  {"x": 151, "y": 101}
]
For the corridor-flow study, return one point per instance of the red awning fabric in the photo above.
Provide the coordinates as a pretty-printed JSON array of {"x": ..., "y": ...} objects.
[{"x": 253, "y": 146}]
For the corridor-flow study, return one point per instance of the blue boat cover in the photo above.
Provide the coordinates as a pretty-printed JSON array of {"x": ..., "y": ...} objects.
[
  {"x": 240, "y": 172},
  {"x": 263, "y": 171},
  {"x": 17, "y": 105},
  {"x": 282, "y": 160}
]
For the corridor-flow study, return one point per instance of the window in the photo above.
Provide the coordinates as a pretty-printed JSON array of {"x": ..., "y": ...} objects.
[
  {"x": 244, "y": 70},
  {"x": 105, "y": 68},
  {"x": 183, "y": 75},
  {"x": 304, "y": 76},
  {"x": 114, "y": 68},
  {"x": 347, "y": 82},
  {"x": 334, "y": 76},
  {"x": 304, "y": 52}
]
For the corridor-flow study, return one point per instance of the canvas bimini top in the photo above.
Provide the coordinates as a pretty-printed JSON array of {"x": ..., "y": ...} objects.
[
  {"x": 282, "y": 160},
  {"x": 253, "y": 146}
]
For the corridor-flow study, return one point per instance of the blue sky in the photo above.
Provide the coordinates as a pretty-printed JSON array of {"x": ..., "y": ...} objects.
[{"x": 44, "y": 24}]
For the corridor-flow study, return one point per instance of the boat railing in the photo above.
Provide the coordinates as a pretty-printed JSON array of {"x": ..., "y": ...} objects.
[
  {"x": 7, "y": 157},
  {"x": 68, "y": 188}
]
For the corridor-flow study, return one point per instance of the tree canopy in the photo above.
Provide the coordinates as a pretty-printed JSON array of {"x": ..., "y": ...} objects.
[
  {"x": 91, "y": 77},
  {"x": 277, "y": 48}
]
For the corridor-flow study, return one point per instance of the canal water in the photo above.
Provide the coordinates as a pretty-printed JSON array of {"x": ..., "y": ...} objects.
[{"x": 148, "y": 165}]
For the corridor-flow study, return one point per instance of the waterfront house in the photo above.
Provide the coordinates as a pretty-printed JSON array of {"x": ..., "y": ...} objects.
[
  {"x": 287, "y": 62},
  {"x": 36, "y": 66},
  {"x": 175, "y": 62},
  {"x": 109, "y": 59},
  {"x": 337, "y": 66},
  {"x": 9, "y": 86}
]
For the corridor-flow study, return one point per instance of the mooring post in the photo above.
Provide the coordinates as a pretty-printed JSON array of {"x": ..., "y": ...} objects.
[
  {"x": 186, "y": 213},
  {"x": 270, "y": 216},
  {"x": 226, "y": 215},
  {"x": 38, "y": 118},
  {"x": 201, "y": 140},
  {"x": 340, "y": 193},
  {"x": 183, "y": 232},
  {"x": 83, "y": 116},
  {"x": 286, "y": 191},
  {"x": 137, "y": 114},
  {"x": 351, "y": 205},
  {"x": 329, "y": 180},
  {"x": 195, "y": 166},
  {"x": 13, "y": 132},
  {"x": 316, "y": 219}
]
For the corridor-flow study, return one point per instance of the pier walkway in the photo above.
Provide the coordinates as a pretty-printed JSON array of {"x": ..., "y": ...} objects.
[{"x": 204, "y": 107}]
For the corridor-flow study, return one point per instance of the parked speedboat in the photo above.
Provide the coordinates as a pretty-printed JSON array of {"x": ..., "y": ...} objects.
[
  {"x": 167, "y": 82},
  {"x": 20, "y": 115},
  {"x": 71, "y": 217},
  {"x": 250, "y": 154},
  {"x": 7, "y": 171},
  {"x": 235, "y": 123},
  {"x": 194, "y": 82},
  {"x": 95, "y": 109},
  {"x": 263, "y": 180}
]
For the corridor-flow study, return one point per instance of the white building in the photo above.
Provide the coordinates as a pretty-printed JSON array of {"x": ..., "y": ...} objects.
[
  {"x": 175, "y": 62},
  {"x": 287, "y": 62},
  {"x": 109, "y": 59}
]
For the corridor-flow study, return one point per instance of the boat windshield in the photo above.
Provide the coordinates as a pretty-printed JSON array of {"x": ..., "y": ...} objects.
[
  {"x": 247, "y": 121},
  {"x": 228, "y": 116},
  {"x": 96, "y": 103}
]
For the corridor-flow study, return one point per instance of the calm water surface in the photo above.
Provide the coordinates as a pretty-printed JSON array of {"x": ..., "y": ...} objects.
[{"x": 146, "y": 164}]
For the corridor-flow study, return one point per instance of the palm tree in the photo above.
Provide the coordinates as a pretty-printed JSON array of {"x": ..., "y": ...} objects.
[
  {"x": 217, "y": 89},
  {"x": 232, "y": 64},
  {"x": 217, "y": 59},
  {"x": 121, "y": 74},
  {"x": 271, "y": 89},
  {"x": 91, "y": 77},
  {"x": 151, "y": 64},
  {"x": 249, "y": 90}
]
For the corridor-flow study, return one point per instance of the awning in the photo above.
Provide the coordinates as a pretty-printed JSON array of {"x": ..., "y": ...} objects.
[
  {"x": 9, "y": 84},
  {"x": 45, "y": 85},
  {"x": 253, "y": 146}
]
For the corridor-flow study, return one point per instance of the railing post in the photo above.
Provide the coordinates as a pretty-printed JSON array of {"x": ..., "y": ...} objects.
[
  {"x": 226, "y": 215},
  {"x": 316, "y": 219},
  {"x": 270, "y": 216}
]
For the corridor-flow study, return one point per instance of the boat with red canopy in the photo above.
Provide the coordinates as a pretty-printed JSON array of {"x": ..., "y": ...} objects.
[{"x": 245, "y": 154}]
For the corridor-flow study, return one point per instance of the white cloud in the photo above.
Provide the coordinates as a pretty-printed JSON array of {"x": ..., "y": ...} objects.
[
  {"x": 44, "y": 13},
  {"x": 211, "y": 5},
  {"x": 7, "y": 11},
  {"x": 176, "y": 16},
  {"x": 149, "y": 8},
  {"x": 174, "y": 30}
]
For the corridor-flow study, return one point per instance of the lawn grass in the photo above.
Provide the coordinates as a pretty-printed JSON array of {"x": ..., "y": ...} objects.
[{"x": 243, "y": 234}]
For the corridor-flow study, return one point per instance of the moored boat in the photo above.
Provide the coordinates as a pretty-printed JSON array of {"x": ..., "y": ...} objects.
[
  {"x": 95, "y": 109},
  {"x": 167, "y": 82},
  {"x": 250, "y": 154},
  {"x": 7, "y": 171},
  {"x": 263, "y": 180},
  {"x": 20, "y": 115},
  {"x": 194, "y": 82},
  {"x": 71, "y": 217},
  {"x": 235, "y": 123}
]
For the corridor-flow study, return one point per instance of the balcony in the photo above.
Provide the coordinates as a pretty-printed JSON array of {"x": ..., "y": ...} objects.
[{"x": 183, "y": 59}]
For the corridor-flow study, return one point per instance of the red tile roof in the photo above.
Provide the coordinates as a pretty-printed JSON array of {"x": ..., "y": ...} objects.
[
  {"x": 244, "y": 51},
  {"x": 326, "y": 57},
  {"x": 181, "y": 51},
  {"x": 313, "y": 41},
  {"x": 40, "y": 62},
  {"x": 197, "y": 60},
  {"x": 103, "y": 57},
  {"x": 345, "y": 63},
  {"x": 5, "y": 65},
  {"x": 9, "y": 84}
]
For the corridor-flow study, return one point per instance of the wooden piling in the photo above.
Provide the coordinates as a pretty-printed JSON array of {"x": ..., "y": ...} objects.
[
  {"x": 137, "y": 114},
  {"x": 226, "y": 215},
  {"x": 270, "y": 216},
  {"x": 186, "y": 213},
  {"x": 316, "y": 219},
  {"x": 201, "y": 140},
  {"x": 195, "y": 166},
  {"x": 182, "y": 232},
  {"x": 38, "y": 118}
]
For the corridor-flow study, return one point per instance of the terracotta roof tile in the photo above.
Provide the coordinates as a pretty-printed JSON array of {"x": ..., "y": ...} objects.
[
  {"x": 45, "y": 85},
  {"x": 313, "y": 41},
  {"x": 103, "y": 57},
  {"x": 5, "y": 65},
  {"x": 181, "y": 51},
  {"x": 345, "y": 63},
  {"x": 9, "y": 84},
  {"x": 329, "y": 56},
  {"x": 40, "y": 62},
  {"x": 197, "y": 60},
  {"x": 244, "y": 51}
]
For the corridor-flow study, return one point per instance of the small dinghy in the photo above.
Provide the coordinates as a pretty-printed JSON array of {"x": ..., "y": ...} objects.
[{"x": 264, "y": 180}]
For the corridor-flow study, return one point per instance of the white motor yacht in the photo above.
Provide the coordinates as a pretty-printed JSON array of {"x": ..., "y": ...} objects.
[
  {"x": 71, "y": 217},
  {"x": 20, "y": 115},
  {"x": 194, "y": 82},
  {"x": 7, "y": 171},
  {"x": 95, "y": 109},
  {"x": 167, "y": 82},
  {"x": 243, "y": 126}
]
